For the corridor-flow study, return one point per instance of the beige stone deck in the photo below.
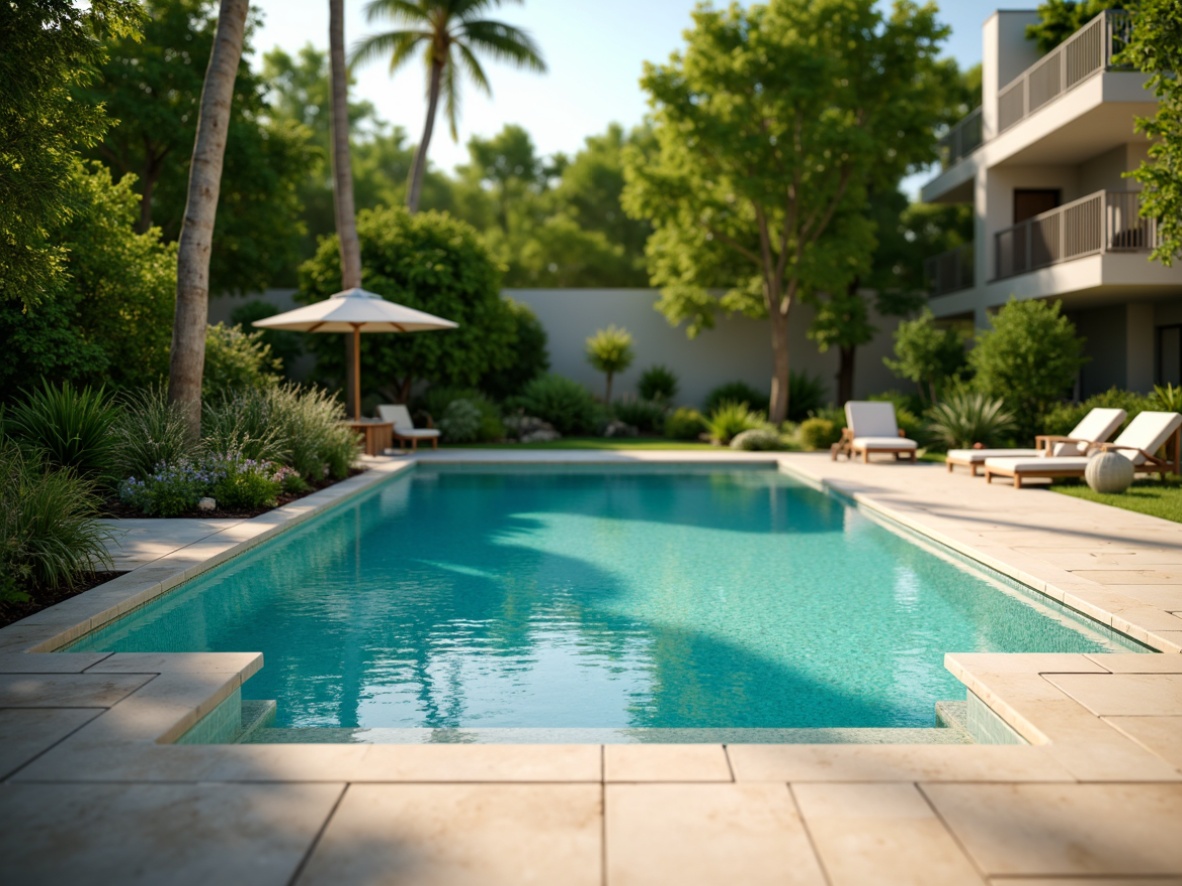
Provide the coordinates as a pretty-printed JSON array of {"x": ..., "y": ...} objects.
[{"x": 92, "y": 792}]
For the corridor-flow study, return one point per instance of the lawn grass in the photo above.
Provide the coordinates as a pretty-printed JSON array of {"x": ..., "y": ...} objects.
[
  {"x": 608, "y": 443},
  {"x": 1152, "y": 497}
]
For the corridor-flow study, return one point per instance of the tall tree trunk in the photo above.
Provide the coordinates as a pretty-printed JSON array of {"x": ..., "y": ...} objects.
[
  {"x": 845, "y": 374},
  {"x": 342, "y": 172},
  {"x": 778, "y": 408},
  {"x": 420, "y": 168},
  {"x": 187, "y": 360}
]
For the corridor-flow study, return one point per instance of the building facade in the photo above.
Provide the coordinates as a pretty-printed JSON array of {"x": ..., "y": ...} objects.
[{"x": 1043, "y": 163}]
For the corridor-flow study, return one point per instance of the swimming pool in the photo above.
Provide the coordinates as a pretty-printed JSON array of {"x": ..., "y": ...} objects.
[{"x": 542, "y": 598}]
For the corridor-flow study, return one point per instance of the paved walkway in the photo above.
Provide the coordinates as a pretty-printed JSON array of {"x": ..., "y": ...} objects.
[{"x": 92, "y": 790}]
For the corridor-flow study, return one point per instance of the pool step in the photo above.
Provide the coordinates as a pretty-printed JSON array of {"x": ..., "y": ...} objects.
[
  {"x": 936, "y": 735},
  {"x": 257, "y": 716}
]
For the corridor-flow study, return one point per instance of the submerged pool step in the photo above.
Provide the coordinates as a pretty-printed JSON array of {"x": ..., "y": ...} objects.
[{"x": 937, "y": 735}]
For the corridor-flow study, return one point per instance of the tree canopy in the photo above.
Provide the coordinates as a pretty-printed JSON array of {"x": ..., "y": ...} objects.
[
  {"x": 50, "y": 48},
  {"x": 770, "y": 127}
]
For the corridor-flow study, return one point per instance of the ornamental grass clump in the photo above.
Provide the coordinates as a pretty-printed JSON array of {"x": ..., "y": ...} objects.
[
  {"x": 150, "y": 431},
  {"x": 684, "y": 423},
  {"x": 49, "y": 532},
  {"x": 730, "y": 419},
  {"x": 310, "y": 420},
  {"x": 70, "y": 428},
  {"x": 966, "y": 417}
]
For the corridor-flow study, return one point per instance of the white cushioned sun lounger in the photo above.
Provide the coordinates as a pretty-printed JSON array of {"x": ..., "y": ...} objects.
[
  {"x": 872, "y": 428},
  {"x": 1139, "y": 443},
  {"x": 1097, "y": 426},
  {"x": 404, "y": 429}
]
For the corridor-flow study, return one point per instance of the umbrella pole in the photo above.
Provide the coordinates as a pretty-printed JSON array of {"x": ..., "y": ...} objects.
[{"x": 356, "y": 372}]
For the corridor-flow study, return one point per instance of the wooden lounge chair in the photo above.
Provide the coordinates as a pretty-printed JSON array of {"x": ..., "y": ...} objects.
[
  {"x": 1097, "y": 425},
  {"x": 1139, "y": 443},
  {"x": 872, "y": 428},
  {"x": 405, "y": 430}
]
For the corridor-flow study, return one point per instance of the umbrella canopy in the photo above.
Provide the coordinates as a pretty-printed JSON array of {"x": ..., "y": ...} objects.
[{"x": 355, "y": 311}]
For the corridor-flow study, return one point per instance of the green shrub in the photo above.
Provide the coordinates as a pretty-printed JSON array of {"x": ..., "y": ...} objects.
[
  {"x": 731, "y": 419},
  {"x": 70, "y": 427},
  {"x": 236, "y": 483},
  {"x": 236, "y": 360},
  {"x": 1063, "y": 417},
  {"x": 565, "y": 404},
  {"x": 806, "y": 394},
  {"x": 285, "y": 346},
  {"x": 734, "y": 392},
  {"x": 1167, "y": 398},
  {"x": 247, "y": 484},
  {"x": 818, "y": 433},
  {"x": 646, "y": 416},
  {"x": 658, "y": 383},
  {"x": 684, "y": 423},
  {"x": 49, "y": 533},
  {"x": 965, "y": 417},
  {"x": 1029, "y": 358},
  {"x": 527, "y": 355},
  {"x": 241, "y": 423},
  {"x": 610, "y": 351},
  {"x": 149, "y": 431},
  {"x": 460, "y": 422},
  {"x": 927, "y": 354},
  {"x": 488, "y": 428},
  {"x": 310, "y": 422},
  {"x": 759, "y": 440}
]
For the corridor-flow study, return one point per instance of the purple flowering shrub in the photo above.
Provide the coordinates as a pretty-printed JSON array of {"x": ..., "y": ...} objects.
[{"x": 234, "y": 482}]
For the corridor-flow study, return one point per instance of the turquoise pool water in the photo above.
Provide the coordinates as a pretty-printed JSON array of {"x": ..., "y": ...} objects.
[{"x": 459, "y": 598}]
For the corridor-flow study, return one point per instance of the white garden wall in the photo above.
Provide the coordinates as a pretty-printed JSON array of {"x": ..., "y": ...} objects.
[{"x": 736, "y": 349}]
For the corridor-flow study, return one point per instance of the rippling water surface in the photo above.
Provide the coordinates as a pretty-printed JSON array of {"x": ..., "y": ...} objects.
[{"x": 457, "y": 598}]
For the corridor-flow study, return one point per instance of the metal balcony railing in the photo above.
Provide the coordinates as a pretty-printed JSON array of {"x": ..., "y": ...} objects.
[
  {"x": 1106, "y": 221},
  {"x": 961, "y": 140},
  {"x": 1090, "y": 49},
  {"x": 950, "y": 271}
]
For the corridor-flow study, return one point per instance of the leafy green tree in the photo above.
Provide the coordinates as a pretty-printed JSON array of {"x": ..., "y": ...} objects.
[
  {"x": 1029, "y": 358},
  {"x": 610, "y": 351},
  {"x": 770, "y": 126},
  {"x": 435, "y": 264},
  {"x": 49, "y": 49},
  {"x": 153, "y": 88},
  {"x": 108, "y": 319},
  {"x": 451, "y": 34},
  {"x": 286, "y": 346},
  {"x": 1059, "y": 19},
  {"x": 927, "y": 354},
  {"x": 530, "y": 357},
  {"x": 1156, "y": 49}
]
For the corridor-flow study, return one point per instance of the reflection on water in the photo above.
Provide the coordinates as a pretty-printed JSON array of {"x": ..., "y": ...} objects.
[{"x": 457, "y": 600}]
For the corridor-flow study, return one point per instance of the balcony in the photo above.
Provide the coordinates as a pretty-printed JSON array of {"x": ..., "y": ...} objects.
[
  {"x": 950, "y": 271},
  {"x": 961, "y": 140},
  {"x": 1106, "y": 221},
  {"x": 1090, "y": 49}
]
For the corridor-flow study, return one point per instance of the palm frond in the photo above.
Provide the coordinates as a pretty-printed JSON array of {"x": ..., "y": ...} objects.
[
  {"x": 397, "y": 10},
  {"x": 472, "y": 65},
  {"x": 398, "y": 45},
  {"x": 503, "y": 42}
]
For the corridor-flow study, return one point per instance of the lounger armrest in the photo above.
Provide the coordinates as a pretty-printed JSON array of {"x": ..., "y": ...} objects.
[{"x": 1108, "y": 447}]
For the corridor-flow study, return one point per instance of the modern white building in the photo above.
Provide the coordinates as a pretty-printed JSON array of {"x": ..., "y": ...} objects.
[{"x": 1043, "y": 162}]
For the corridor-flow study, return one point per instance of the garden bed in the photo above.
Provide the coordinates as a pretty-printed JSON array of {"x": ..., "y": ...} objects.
[
  {"x": 11, "y": 611},
  {"x": 112, "y": 507}
]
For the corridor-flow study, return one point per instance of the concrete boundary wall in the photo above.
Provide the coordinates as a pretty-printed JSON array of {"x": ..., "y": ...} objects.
[{"x": 736, "y": 349}]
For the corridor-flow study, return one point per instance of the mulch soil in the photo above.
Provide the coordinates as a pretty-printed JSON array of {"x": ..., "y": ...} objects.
[
  {"x": 10, "y": 612},
  {"x": 113, "y": 507}
]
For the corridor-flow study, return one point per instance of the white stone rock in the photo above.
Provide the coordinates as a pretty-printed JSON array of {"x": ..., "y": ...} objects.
[{"x": 207, "y": 504}]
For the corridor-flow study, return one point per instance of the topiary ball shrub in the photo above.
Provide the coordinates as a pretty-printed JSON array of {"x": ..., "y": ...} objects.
[
  {"x": 758, "y": 440},
  {"x": 734, "y": 392},
  {"x": 564, "y": 403},
  {"x": 684, "y": 424},
  {"x": 657, "y": 383},
  {"x": 818, "y": 433}
]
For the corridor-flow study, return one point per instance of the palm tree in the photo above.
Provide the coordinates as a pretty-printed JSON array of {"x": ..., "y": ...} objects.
[
  {"x": 450, "y": 33},
  {"x": 187, "y": 358}
]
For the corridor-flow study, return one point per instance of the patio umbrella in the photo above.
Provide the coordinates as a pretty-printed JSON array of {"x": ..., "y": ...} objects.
[{"x": 356, "y": 311}]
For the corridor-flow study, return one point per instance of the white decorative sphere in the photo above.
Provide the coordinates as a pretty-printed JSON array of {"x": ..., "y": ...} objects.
[
  {"x": 1109, "y": 472},
  {"x": 207, "y": 504}
]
